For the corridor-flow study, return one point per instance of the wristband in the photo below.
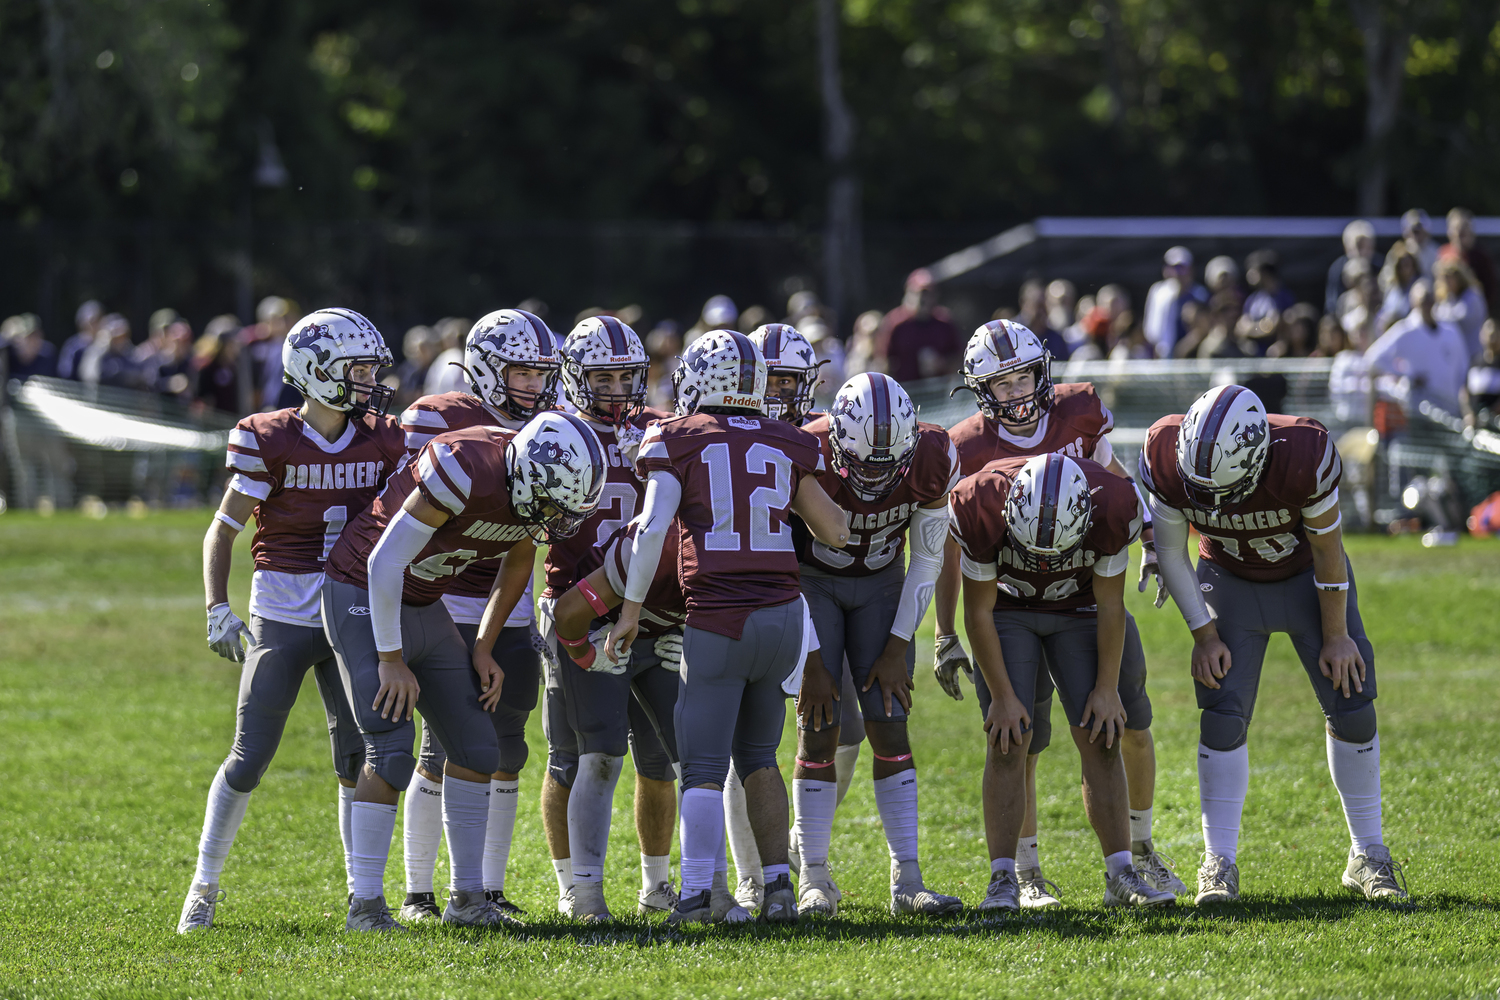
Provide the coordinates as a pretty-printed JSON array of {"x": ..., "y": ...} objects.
[
  {"x": 221, "y": 516},
  {"x": 1310, "y": 529},
  {"x": 592, "y": 596},
  {"x": 1330, "y": 586}
]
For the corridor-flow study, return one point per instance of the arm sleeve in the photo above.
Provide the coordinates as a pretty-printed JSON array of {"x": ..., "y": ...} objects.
[
  {"x": 403, "y": 539},
  {"x": 663, "y": 495},
  {"x": 928, "y": 527},
  {"x": 1104, "y": 452},
  {"x": 1176, "y": 565},
  {"x": 1113, "y": 565}
]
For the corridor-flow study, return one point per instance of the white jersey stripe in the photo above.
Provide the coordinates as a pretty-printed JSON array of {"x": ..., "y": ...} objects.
[
  {"x": 414, "y": 417},
  {"x": 455, "y": 472},
  {"x": 241, "y": 438},
  {"x": 244, "y": 463},
  {"x": 436, "y": 485},
  {"x": 250, "y": 487},
  {"x": 416, "y": 441}
]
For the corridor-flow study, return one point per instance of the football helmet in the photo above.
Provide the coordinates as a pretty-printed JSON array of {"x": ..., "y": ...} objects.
[
  {"x": 1048, "y": 511},
  {"x": 511, "y": 337},
  {"x": 721, "y": 369},
  {"x": 788, "y": 353},
  {"x": 320, "y": 349},
  {"x": 1222, "y": 447},
  {"x": 872, "y": 432},
  {"x": 603, "y": 343},
  {"x": 1001, "y": 347},
  {"x": 554, "y": 471}
]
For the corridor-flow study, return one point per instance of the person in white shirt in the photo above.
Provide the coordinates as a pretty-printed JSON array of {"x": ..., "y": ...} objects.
[
  {"x": 1421, "y": 357},
  {"x": 1164, "y": 302}
]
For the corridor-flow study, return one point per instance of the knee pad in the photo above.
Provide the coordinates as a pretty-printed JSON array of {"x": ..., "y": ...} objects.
[
  {"x": 1357, "y": 726},
  {"x": 243, "y": 775},
  {"x": 563, "y": 768},
  {"x": 348, "y": 765},
  {"x": 1220, "y": 731},
  {"x": 747, "y": 762},
  {"x": 651, "y": 760},
  {"x": 513, "y": 754},
  {"x": 1041, "y": 728},
  {"x": 395, "y": 765},
  {"x": 705, "y": 772},
  {"x": 477, "y": 753}
]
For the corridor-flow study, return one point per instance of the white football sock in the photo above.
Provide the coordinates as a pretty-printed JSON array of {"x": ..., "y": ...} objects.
[
  {"x": 563, "y": 869},
  {"x": 737, "y": 824},
  {"x": 499, "y": 830},
  {"x": 773, "y": 872},
  {"x": 370, "y": 827},
  {"x": 1140, "y": 826},
  {"x": 1117, "y": 862},
  {"x": 421, "y": 831},
  {"x": 1355, "y": 768},
  {"x": 702, "y": 838},
  {"x": 815, "y": 803},
  {"x": 1223, "y": 783},
  {"x": 466, "y": 813},
  {"x": 844, "y": 760},
  {"x": 221, "y": 821},
  {"x": 346, "y": 805},
  {"x": 655, "y": 869},
  {"x": 896, "y": 798},
  {"x": 590, "y": 806},
  {"x": 1026, "y": 855},
  {"x": 1002, "y": 865}
]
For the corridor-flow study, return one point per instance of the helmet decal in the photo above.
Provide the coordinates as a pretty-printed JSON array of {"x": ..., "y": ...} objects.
[{"x": 747, "y": 362}]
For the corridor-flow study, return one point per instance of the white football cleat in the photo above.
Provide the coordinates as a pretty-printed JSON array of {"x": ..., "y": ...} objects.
[
  {"x": 1038, "y": 893},
  {"x": 1130, "y": 888},
  {"x": 1218, "y": 880},
  {"x": 1372, "y": 874},
  {"x": 726, "y": 909},
  {"x": 780, "y": 906},
  {"x": 919, "y": 899},
  {"x": 1003, "y": 893},
  {"x": 420, "y": 906},
  {"x": 474, "y": 909},
  {"x": 1157, "y": 871},
  {"x": 588, "y": 903},
  {"x": 370, "y": 915},
  {"x": 565, "y": 903},
  {"x": 816, "y": 896},
  {"x": 750, "y": 893},
  {"x": 198, "y": 909},
  {"x": 657, "y": 900}
]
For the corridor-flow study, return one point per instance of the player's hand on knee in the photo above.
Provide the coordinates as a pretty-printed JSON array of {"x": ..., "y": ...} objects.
[
  {"x": 1341, "y": 662},
  {"x": 621, "y": 637},
  {"x": 949, "y": 658},
  {"x": 889, "y": 671},
  {"x": 1107, "y": 713},
  {"x": 1007, "y": 722},
  {"x": 491, "y": 677},
  {"x": 1210, "y": 660},
  {"x": 227, "y": 634},
  {"x": 816, "y": 697},
  {"x": 607, "y": 659},
  {"x": 398, "y": 692}
]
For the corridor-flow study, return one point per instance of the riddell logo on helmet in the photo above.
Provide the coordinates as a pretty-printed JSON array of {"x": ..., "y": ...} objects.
[
  {"x": 622, "y": 358},
  {"x": 747, "y": 401}
]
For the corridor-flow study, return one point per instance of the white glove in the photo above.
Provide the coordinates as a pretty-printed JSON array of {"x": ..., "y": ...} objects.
[
  {"x": 227, "y": 635},
  {"x": 543, "y": 648},
  {"x": 601, "y": 665},
  {"x": 669, "y": 649},
  {"x": 1150, "y": 568},
  {"x": 628, "y": 440},
  {"x": 546, "y": 618},
  {"x": 949, "y": 659}
]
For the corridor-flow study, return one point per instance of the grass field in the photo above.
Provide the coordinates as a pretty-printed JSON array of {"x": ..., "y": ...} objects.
[{"x": 114, "y": 716}]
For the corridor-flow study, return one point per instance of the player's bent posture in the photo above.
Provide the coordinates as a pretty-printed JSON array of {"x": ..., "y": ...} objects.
[
  {"x": 1053, "y": 535},
  {"x": 888, "y": 473},
  {"x": 1263, "y": 493},
  {"x": 300, "y": 473},
  {"x": 604, "y": 374},
  {"x": 1022, "y": 414},
  {"x": 729, "y": 475},
  {"x": 512, "y": 364},
  {"x": 472, "y": 494}
]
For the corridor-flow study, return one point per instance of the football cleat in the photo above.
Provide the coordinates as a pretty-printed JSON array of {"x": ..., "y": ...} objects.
[
  {"x": 658, "y": 900},
  {"x": 919, "y": 899},
  {"x": 1157, "y": 870},
  {"x": 1003, "y": 893},
  {"x": 1130, "y": 888},
  {"x": 1038, "y": 893},
  {"x": 198, "y": 909},
  {"x": 750, "y": 893},
  {"x": 474, "y": 909},
  {"x": 816, "y": 899},
  {"x": 1218, "y": 880},
  {"x": 420, "y": 906},
  {"x": 370, "y": 915},
  {"x": 695, "y": 909},
  {"x": 565, "y": 903},
  {"x": 497, "y": 896},
  {"x": 1374, "y": 874},
  {"x": 780, "y": 906},
  {"x": 588, "y": 903},
  {"x": 725, "y": 907}
]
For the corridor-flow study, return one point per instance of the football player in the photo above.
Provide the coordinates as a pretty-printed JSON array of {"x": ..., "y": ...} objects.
[
  {"x": 589, "y": 713},
  {"x": 512, "y": 365},
  {"x": 1262, "y": 490},
  {"x": 1022, "y": 414},
  {"x": 1052, "y": 535},
  {"x": 729, "y": 475},
  {"x": 300, "y": 472},
  {"x": 471, "y": 495},
  {"x": 889, "y": 473}
]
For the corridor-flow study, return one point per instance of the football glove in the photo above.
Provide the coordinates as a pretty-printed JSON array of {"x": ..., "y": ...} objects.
[
  {"x": 669, "y": 649},
  {"x": 628, "y": 441},
  {"x": 227, "y": 635},
  {"x": 543, "y": 648},
  {"x": 546, "y": 619},
  {"x": 601, "y": 665},
  {"x": 1150, "y": 568},
  {"x": 948, "y": 660}
]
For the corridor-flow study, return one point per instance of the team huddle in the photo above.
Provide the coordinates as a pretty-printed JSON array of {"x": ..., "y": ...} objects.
[{"x": 706, "y": 566}]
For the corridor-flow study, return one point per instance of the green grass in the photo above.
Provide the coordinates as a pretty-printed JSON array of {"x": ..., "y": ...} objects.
[{"x": 114, "y": 716}]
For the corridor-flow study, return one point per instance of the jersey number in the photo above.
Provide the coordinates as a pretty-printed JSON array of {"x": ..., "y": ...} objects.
[
  {"x": 622, "y": 495},
  {"x": 334, "y": 519},
  {"x": 882, "y": 548},
  {"x": 759, "y": 459},
  {"x": 444, "y": 564},
  {"x": 1271, "y": 548}
]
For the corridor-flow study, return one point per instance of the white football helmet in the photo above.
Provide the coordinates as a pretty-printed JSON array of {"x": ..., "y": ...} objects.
[
  {"x": 317, "y": 354},
  {"x": 872, "y": 432},
  {"x": 721, "y": 369},
  {"x": 1001, "y": 347},
  {"x": 511, "y": 337},
  {"x": 1049, "y": 511},
  {"x": 788, "y": 353},
  {"x": 1222, "y": 447},
  {"x": 554, "y": 470},
  {"x": 603, "y": 343}
]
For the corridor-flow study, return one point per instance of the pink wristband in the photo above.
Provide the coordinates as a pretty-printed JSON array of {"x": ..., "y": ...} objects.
[{"x": 592, "y": 596}]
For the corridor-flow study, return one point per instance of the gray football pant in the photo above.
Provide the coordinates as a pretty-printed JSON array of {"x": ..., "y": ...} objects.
[
  {"x": 729, "y": 699},
  {"x": 853, "y": 616},
  {"x": 1246, "y": 615},
  {"x": 523, "y": 670},
  {"x": 449, "y": 695},
  {"x": 633, "y": 709},
  {"x": 279, "y": 658}
]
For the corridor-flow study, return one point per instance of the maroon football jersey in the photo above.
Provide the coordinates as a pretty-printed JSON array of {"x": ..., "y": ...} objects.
[
  {"x": 462, "y": 473},
  {"x": 1073, "y": 426},
  {"x": 739, "y": 475},
  {"x": 665, "y": 607},
  {"x": 308, "y": 488},
  {"x": 877, "y": 529},
  {"x": 1262, "y": 538},
  {"x": 977, "y": 523},
  {"x": 618, "y": 503}
]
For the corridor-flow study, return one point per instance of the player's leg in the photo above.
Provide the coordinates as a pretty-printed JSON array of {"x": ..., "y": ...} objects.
[
  {"x": 347, "y": 745},
  {"x": 269, "y": 682},
  {"x": 1139, "y": 751},
  {"x": 523, "y": 671},
  {"x": 1037, "y": 891},
  {"x": 422, "y": 830},
  {"x": 851, "y": 732},
  {"x": 815, "y": 776},
  {"x": 562, "y": 770},
  {"x": 1003, "y": 791},
  {"x": 653, "y": 697}
]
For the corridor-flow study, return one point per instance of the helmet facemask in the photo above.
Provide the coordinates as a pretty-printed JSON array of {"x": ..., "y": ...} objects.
[
  {"x": 871, "y": 479},
  {"x": 610, "y": 408},
  {"x": 359, "y": 398},
  {"x": 794, "y": 408}
]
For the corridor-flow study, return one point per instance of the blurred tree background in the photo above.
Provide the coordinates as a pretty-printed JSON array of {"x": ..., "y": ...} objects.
[{"x": 453, "y": 155}]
